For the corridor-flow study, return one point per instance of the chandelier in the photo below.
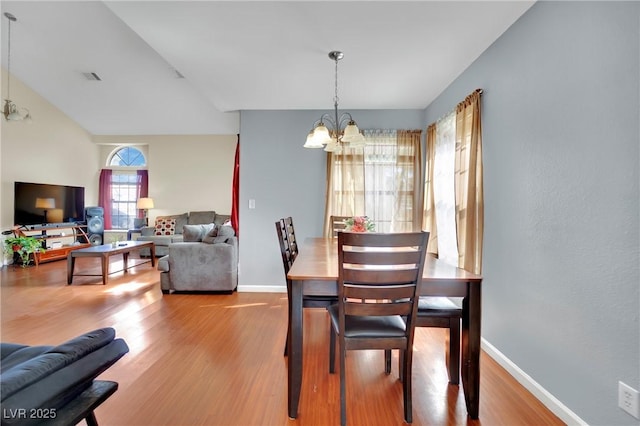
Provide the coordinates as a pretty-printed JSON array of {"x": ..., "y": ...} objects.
[
  {"x": 342, "y": 131},
  {"x": 11, "y": 111}
]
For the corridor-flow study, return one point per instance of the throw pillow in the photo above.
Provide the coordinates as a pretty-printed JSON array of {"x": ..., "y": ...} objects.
[
  {"x": 165, "y": 226},
  {"x": 223, "y": 234},
  {"x": 195, "y": 233},
  {"x": 211, "y": 235}
]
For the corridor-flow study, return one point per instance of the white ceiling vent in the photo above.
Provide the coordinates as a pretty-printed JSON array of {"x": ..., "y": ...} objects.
[{"x": 91, "y": 76}]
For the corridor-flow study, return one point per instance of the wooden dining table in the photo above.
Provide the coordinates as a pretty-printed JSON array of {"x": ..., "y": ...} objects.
[{"x": 315, "y": 272}]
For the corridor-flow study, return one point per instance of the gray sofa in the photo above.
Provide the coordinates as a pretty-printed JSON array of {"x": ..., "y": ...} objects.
[
  {"x": 206, "y": 260},
  {"x": 148, "y": 233},
  {"x": 49, "y": 382}
]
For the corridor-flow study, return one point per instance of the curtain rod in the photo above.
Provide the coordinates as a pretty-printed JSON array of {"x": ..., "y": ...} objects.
[{"x": 478, "y": 90}]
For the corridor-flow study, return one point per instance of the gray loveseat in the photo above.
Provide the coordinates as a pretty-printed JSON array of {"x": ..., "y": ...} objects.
[
  {"x": 206, "y": 260},
  {"x": 149, "y": 233}
]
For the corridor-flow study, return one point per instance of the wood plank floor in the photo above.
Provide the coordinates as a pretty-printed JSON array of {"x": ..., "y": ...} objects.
[{"x": 207, "y": 359}]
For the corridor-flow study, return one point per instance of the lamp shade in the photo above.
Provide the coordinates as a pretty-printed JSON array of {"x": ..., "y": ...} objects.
[
  {"x": 312, "y": 142},
  {"x": 145, "y": 203},
  {"x": 357, "y": 141},
  {"x": 321, "y": 134},
  {"x": 351, "y": 132},
  {"x": 45, "y": 203}
]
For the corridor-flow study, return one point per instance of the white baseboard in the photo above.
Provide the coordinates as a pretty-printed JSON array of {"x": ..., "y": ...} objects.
[{"x": 545, "y": 397}]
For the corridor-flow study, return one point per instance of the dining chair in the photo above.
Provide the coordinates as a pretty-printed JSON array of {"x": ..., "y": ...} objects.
[
  {"x": 378, "y": 278},
  {"x": 289, "y": 251},
  {"x": 337, "y": 224}
]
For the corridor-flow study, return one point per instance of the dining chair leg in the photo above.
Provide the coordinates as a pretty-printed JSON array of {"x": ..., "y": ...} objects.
[
  {"x": 332, "y": 351},
  {"x": 406, "y": 383},
  {"x": 343, "y": 388},
  {"x": 387, "y": 361},
  {"x": 453, "y": 356},
  {"x": 286, "y": 343}
]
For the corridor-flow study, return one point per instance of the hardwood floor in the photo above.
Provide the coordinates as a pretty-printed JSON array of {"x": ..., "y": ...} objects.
[{"x": 206, "y": 359}]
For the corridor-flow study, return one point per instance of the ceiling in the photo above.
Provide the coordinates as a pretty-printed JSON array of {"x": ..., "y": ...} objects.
[{"x": 240, "y": 55}]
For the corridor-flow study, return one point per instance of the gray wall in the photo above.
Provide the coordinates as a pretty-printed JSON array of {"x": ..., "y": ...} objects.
[
  {"x": 286, "y": 179},
  {"x": 561, "y": 250}
]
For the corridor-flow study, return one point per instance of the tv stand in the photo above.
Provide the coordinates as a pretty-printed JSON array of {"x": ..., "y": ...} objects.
[{"x": 59, "y": 238}]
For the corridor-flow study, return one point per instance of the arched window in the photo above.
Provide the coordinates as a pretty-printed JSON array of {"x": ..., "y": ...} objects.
[
  {"x": 127, "y": 180},
  {"x": 128, "y": 156}
]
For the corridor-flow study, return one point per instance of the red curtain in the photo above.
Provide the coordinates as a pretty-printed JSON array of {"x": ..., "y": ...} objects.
[
  {"x": 104, "y": 196},
  {"x": 235, "y": 195},
  {"x": 143, "y": 188}
]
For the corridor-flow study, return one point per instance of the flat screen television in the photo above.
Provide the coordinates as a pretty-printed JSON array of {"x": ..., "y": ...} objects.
[{"x": 40, "y": 203}]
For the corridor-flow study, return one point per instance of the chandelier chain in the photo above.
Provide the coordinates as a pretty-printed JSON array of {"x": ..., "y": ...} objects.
[{"x": 335, "y": 97}]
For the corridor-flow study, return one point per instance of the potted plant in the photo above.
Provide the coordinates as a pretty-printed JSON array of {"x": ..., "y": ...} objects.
[
  {"x": 23, "y": 247},
  {"x": 359, "y": 224}
]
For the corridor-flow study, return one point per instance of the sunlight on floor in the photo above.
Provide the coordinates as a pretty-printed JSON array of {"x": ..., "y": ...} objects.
[
  {"x": 130, "y": 287},
  {"x": 246, "y": 305}
]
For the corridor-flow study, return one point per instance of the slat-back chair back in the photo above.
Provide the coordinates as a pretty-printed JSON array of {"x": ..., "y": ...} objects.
[
  {"x": 289, "y": 251},
  {"x": 337, "y": 224},
  {"x": 379, "y": 275},
  {"x": 288, "y": 243}
]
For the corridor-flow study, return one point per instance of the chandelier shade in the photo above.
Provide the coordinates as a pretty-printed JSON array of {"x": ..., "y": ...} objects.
[{"x": 342, "y": 130}]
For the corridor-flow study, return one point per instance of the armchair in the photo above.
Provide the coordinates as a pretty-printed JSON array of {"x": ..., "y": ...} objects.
[{"x": 208, "y": 261}]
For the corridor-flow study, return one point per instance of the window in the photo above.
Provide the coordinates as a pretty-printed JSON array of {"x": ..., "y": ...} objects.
[
  {"x": 378, "y": 180},
  {"x": 127, "y": 182},
  {"x": 124, "y": 195},
  {"x": 128, "y": 157}
]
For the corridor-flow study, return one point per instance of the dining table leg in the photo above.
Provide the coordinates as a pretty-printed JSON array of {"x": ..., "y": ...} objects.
[
  {"x": 471, "y": 349},
  {"x": 295, "y": 347}
]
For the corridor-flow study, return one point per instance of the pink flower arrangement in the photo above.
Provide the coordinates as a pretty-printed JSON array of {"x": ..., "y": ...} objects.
[{"x": 359, "y": 224}]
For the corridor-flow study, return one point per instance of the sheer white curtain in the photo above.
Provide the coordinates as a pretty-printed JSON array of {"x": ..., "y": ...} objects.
[
  {"x": 444, "y": 190},
  {"x": 379, "y": 177}
]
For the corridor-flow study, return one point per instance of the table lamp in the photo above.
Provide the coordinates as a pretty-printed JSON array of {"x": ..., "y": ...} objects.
[
  {"x": 46, "y": 204},
  {"x": 145, "y": 204}
]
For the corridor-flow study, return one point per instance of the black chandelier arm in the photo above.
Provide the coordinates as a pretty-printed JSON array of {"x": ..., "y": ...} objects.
[
  {"x": 325, "y": 118},
  {"x": 345, "y": 119}
]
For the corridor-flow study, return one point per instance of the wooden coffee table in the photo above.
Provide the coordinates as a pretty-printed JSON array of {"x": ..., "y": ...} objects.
[{"x": 105, "y": 251}]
